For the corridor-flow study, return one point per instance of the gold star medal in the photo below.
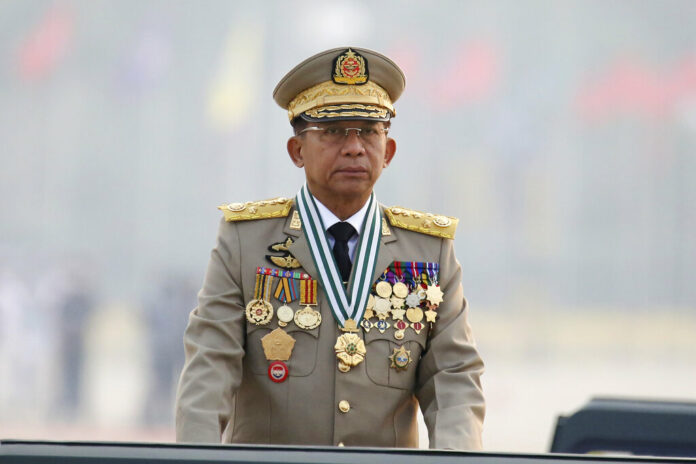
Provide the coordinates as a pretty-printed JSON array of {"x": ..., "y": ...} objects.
[
  {"x": 259, "y": 311},
  {"x": 434, "y": 294},
  {"x": 382, "y": 307},
  {"x": 396, "y": 302},
  {"x": 398, "y": 314},
  {"x": 400, "y": 358},
  {"x": 430, "y": 315}
]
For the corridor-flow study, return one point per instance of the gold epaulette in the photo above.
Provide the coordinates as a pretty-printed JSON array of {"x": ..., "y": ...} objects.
[
  {"x": 425, "y": 223},
  {"x": 276, "y": 207}
]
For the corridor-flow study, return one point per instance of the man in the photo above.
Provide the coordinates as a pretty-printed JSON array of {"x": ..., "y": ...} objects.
[{"x": 328, "y": 319}]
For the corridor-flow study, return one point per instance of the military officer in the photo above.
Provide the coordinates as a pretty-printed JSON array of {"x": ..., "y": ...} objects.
[{"x": 327, "y": 318}]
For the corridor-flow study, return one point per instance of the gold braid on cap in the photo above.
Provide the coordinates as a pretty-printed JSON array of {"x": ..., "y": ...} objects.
[{"x": 329, "y": 93}]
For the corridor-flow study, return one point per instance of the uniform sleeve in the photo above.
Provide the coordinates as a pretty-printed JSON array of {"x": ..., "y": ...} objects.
[
  {"x": 449, "y": 386},
  {"x": 214, "y": 346}
]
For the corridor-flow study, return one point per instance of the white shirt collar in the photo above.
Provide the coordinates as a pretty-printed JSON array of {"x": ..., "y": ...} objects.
[{"x": 329, "y": 218}]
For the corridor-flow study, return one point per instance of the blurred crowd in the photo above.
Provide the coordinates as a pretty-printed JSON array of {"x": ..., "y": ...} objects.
[{"x": 64, "y": 351}]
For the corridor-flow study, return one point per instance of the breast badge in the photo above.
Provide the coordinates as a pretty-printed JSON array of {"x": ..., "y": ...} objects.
[
  {"x": 400, "y": 358},
  {"x": 286, "y": 260}
]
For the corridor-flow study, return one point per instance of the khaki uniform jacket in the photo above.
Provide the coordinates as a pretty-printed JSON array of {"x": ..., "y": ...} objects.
[{"x": 225, "y": 393}]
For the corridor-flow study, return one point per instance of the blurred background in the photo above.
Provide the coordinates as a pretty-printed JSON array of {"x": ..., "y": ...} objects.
[{"x": 562, "y": 133}]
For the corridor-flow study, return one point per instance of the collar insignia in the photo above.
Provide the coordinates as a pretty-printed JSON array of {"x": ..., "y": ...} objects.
[{"x": 350, "y": 68}]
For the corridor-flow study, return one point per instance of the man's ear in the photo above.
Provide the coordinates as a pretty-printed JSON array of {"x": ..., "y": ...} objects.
[
  {"x": 294, "y": 147},
  {"x": 389, "y": 152}
]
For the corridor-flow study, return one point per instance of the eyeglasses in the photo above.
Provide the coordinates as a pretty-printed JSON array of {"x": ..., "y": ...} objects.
[{"x": 338, "y": 134}]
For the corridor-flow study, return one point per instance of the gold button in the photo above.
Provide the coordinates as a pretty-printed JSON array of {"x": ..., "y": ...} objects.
[
  {"x": 344, "y": 406},
  {"x": 340, "y": 443}
]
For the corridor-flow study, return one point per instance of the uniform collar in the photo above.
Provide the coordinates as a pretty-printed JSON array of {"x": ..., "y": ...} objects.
[{"x": 328, "y": 218}]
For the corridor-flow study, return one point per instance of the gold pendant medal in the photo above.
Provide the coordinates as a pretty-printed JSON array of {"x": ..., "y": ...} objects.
[
  {"x": 383, "y": 289},
  {"x": 259, "y": 311},
  {"x": 400, "y": 290},
  {"x": 285, "y": 315},
  {"x": 308, "y": 318},
  {"x": 349, "y": 347}
]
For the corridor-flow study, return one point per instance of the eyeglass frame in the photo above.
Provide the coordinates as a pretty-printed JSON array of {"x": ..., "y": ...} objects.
[{"x": 358, "y": 130}]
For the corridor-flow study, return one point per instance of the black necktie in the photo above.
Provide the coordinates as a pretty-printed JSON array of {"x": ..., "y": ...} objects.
[{"x": 341, "y": 232}]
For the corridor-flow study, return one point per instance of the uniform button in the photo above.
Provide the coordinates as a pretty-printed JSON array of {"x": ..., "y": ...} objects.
[
  {"x": 344, "y": 406},
  {"x": 340, "y": 443}
]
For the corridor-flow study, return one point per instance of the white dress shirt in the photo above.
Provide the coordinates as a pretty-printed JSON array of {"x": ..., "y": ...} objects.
[{"x": 328, "y": 219}]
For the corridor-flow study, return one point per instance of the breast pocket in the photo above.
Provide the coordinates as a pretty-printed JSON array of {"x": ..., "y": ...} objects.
[
  {"x": 380, "y": 350},
  {"x": 304, "y": 353}
]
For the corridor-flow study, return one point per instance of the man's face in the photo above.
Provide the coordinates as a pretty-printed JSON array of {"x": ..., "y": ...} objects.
[{"x": 340, "y": 167}]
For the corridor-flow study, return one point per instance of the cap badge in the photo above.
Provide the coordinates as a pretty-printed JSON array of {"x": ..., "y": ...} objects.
[{"x": 350, "y": 68}]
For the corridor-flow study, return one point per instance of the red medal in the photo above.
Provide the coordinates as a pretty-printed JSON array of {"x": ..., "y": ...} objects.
[{"x": 278, "y": 371}]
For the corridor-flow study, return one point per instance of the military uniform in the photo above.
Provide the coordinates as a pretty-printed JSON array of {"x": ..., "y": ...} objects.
[{"x": 269, "y": 359}]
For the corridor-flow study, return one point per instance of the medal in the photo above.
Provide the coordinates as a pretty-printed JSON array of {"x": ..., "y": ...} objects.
[
  {"x": 417, "y": 327},
  {"x": 398, "y": 314},
  {"x": 277, "y": 345},
  {"x": 382, "y": 325},
  {"x": 366, "y": 324},
  {"x": 397, "y": 303},
  {"x": 400, "y": 358},
  {"x": 434, "y": 294},
  {"x": 400, "y": 331},
  {"x": 285, "y": 315},
  {"x": 259, "y": 311},
  {"x": 308, "y": 318},
  {"x": 369, "y": 314},
  {"x": 350, "y": 351},
  {"x": 414, "y": 314},
  {"x": 370, "y": 302},
  {"x": 383, "y": 289},
  {"x": 413, "y": 299},
  {"x": 382, "y": 307},
  {"x": 400, "y": 290},
  {"x": 430, "y": 315},
  {"x": 278, "y": 371}
]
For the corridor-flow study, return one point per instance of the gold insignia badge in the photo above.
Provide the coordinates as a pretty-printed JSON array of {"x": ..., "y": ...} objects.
[
  {"x": 350, "y": 68},
  {"x": 400, "y": 358},
  {"x": 286, "y": 260},
  {"x": 278, "y": 345}
]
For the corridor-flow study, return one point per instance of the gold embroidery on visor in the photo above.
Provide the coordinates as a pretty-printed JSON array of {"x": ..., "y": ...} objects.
[{"x": 345, "y": 111}]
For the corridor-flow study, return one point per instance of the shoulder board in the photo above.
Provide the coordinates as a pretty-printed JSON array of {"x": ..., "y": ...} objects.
[
  {"x": 425, "y": 223},
  {"x": 274, "y": 208}
]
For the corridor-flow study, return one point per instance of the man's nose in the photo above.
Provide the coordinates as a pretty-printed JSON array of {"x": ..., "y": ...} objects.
[{"x": 353, "y": 143}]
